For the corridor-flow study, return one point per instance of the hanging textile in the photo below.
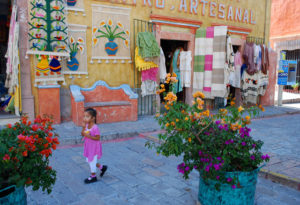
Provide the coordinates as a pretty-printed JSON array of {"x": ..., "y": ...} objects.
[
  {"x": 237, "y": 70},
  {"x": 162, "y": 66},
  {"x": 149, "y": 74},
  {"x": 208, "y": 61},
  {"x": 248, "y": 55},
  {"x": 12, "y": 55},
  {"x": 229, "y": 66},
  {"x": 199, "y": 59},
  {"x": 264, "y": 59},
  {"x": 148, "y": 87},
  {"x": 147, "y": 44},
  {"x": 218, "y": 88},
  {"x": 177, "y": 87},
  {"x": 250, "y": 87},
  {"x": 185, "y": 68},
  {"x": 141, "y": 64}
]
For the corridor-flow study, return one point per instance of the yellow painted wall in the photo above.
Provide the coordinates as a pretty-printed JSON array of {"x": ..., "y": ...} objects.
[{"x": 117, "y": 74}]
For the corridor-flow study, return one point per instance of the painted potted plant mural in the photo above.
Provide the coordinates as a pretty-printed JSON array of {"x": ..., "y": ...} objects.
[
  {"x": 74, "y": 46},
  {"x": 25, "y": 151},
  {"x": 71, "y": 2},
  {"x": 218, "y": 146},
  {"x": 110, "y": 32}
]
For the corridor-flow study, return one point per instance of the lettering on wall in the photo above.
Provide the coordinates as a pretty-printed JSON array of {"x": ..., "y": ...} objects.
[{"x": 207, "y": 8}]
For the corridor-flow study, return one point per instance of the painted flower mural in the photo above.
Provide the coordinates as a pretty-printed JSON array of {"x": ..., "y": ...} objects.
[
  {"x": 74, "y": 47},
  {"x": 110, "y": 32}
]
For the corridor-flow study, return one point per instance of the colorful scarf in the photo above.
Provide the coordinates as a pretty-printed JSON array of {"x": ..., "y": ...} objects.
[
  {"x": 141, "y": 64},
  {"x": 147, "y": 44},
  {"x": 199, "y": 60}
]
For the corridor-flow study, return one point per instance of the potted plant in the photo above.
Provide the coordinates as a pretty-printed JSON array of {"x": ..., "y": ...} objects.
[
  {"x": 295, "y": 86},
  {"x": 218, "y": 146},
  {"x": 25, "y": 149},
  {"x": 74, "y": 46},
  {"x": 106, "y": 30}
]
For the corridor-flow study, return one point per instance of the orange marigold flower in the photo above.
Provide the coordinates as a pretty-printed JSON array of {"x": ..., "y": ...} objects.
[
  {"x": 247, "y": 118},
  {"x": 162, "y": 86},
  {"x": 165, "y": 114},
  {"x": 232, "y": 103},
  {"x": 186, "y": 118},
  {"x": 157, "y": 115},
  {"x": 168, "y": 124},
  {"x": 240, "y": 109},
  {"x": 173, "y": 123},
  {"x": 198, "y": 94},
  {"x": 206, "y": 113},
  {"x": 177, "y": 120},
  {"x": 174, "y": 75},
  {"x": 189, "y": 139}
]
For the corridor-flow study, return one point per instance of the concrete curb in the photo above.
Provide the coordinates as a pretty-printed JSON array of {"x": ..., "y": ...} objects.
[{"x": 280, "y": 178}]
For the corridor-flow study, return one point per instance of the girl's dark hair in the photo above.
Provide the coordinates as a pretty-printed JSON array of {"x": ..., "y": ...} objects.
[{"x": 92, "y": 112}]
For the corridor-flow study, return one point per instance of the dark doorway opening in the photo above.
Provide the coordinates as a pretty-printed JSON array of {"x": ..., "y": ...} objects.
[{"x": 169, "y": 47}]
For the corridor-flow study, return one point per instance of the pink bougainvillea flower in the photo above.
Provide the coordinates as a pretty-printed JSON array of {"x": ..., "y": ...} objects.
[
  {"x": 229, "y": 179},
  {"x": 252, "y": 157},
  {"x": 218, "y": 177},
  {"x": 207, "y": 168},
  {"x": 243, "y": 143},
  {"x": 233, "y": 186}
]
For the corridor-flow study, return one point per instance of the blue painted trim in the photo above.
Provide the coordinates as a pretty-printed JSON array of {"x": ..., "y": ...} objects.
[
  {"x": 48, "y": 86},
  {"x": 76, "y": 90}
]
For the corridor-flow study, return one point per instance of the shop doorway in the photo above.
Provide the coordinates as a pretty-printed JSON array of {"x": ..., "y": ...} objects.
[
  {"x": 169, "y": 47},
  {"x": 5, "y": 13}
]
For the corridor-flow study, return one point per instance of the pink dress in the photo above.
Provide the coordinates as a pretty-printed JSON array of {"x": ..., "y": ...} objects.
[{"x": 92, "y": 147}]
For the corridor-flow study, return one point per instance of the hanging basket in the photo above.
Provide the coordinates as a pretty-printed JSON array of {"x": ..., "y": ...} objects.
[
  {"x": 13, "y": 195},
  {"x": 244, "y": 195}
]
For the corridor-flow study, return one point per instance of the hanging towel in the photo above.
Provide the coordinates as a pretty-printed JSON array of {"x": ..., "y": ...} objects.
[
  {"x": 218, "y": 88},
  {"x": 185, "y": 68},
  {"x": 148, "y": 87},
  {"x": 147, "y": 44},
  {"x": 162, "y": 66},
  {"x": 199, "y": 60},
  {"x": 208, "y": 65},
  {"x": 177, "y": 87},
  {"x": 149, "y": 74},
  {"x": 141, "y": 64}
]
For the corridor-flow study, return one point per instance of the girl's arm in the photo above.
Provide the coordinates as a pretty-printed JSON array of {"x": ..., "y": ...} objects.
[{"x": 97, "y": 137}]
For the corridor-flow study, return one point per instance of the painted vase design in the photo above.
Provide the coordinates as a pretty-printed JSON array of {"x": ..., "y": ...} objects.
[
  {"x": 73, "y": 65},
  {"x": 71, "y": 2},
  {"x": 111, "y": 48},
  {"x": 42, "y": 66},
  {"x": 55, "y": 66}
]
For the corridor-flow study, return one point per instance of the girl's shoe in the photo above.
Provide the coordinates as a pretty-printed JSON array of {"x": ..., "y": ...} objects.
[
  {"x": 103, "y": 170},
  {"x": 90, "y": 180}
]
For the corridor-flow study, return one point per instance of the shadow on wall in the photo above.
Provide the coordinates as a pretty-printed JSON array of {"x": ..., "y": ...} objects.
[{"x": 65, "y": 104}]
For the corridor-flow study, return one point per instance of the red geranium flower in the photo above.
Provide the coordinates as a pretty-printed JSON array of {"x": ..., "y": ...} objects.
[
  {"x": 25, "y": 154},
  {"x": 54, "y": 146},
  {"x": 29, "y": 181},
  {"x": 9, "y": 125},
  {"x": 6, "y": 157},
  {"x": 35, "y": 127}
]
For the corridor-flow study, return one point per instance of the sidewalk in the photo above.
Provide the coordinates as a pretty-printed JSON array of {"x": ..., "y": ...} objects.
[
  {"x": 70, "y": 133},
  {"x": 135, "y": 176}
]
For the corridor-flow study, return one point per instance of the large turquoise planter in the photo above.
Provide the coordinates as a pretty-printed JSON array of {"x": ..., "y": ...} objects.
[
  {"x": 111, "y": 48},
  {"x": 73, "y": 64},
  {"x": 16, "y": 197},
  {"x": 245, "y": 195}
]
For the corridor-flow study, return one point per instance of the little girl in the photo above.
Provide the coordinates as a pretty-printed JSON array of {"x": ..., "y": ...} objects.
[{"x": 92, "y": 144}]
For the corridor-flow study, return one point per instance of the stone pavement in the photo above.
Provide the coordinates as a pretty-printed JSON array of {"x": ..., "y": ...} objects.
[
  {"x": 281, "y": 136},
  {"x": 70, "y": 133},
  {"x": 138, "y": 176}
]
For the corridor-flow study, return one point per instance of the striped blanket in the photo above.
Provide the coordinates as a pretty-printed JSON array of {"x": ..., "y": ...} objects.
[
  {"x": 199, "y": 60},
  {"x": 208, "y": 65},
  {"x": 219, "y": 58}
]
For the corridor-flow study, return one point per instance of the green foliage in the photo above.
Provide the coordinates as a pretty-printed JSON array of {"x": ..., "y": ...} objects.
[
  {"x": 25, "y": 149},
  {"x": 210, "y": 143}
]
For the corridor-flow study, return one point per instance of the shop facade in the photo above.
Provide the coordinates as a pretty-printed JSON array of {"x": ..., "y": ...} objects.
[{"x": 171, "y": 22}]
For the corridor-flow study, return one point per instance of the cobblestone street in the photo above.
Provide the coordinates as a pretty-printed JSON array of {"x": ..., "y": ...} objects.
[{"x": 137, "y": 175}]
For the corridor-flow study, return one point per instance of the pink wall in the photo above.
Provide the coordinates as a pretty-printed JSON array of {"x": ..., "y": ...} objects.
[{"x": 285, "y": 16}]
